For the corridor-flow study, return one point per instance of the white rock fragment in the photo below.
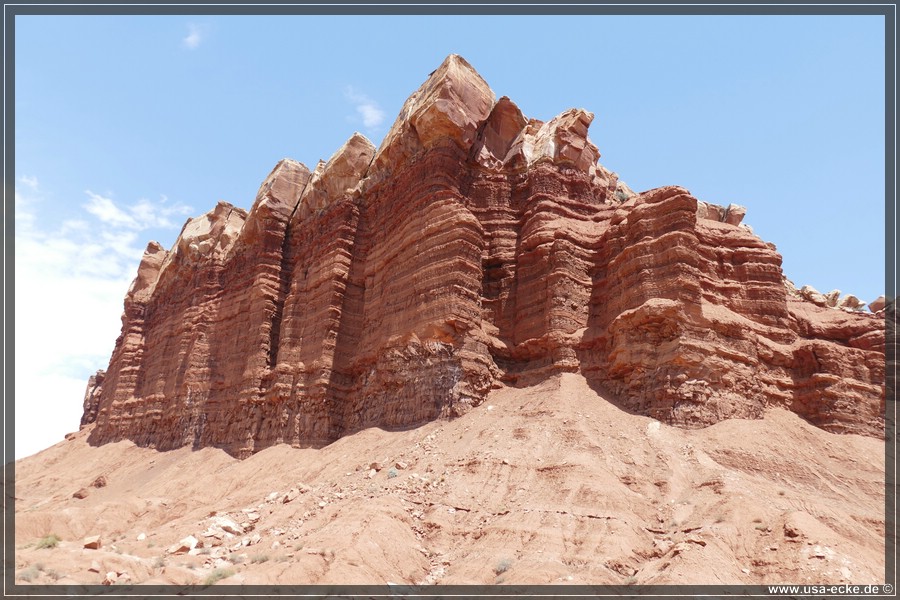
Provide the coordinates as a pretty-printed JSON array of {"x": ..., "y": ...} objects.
[
  {"x": 184, "y": 546},
  {"x": 734, "y": 214},
  {"x": 852, "y": 303},
  {"x": 227, "y": 525},
  {"x": 808, "y": 292}
]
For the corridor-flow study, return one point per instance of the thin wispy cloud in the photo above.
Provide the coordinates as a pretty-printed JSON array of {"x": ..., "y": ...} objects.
[
  {"x": 23, "y": 213},
  {"x": 372, "y": 115},
  {"x": 138, "y": 216},
  {"x": 107, "y": 211},
  {"x": 30, "y": 182},
  {"x": 70, "y": 282},
  {"x": 24, "y": 203},
  {"x": 196, "y": 35}
]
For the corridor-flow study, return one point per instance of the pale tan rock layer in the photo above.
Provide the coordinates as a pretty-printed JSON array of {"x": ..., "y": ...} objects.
[{"x": 475, "y": 246}]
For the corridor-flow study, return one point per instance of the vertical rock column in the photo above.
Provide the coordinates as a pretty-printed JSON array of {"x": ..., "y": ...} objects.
[
  {"x": 321, "y": 248},
  {"x": 557, "y": 228},
  {"x": 420, "y": 355},
  {"x": 91, "y": 403},
  {"x": 646, "y": 292},
  {"x": 245, "y": 342}
]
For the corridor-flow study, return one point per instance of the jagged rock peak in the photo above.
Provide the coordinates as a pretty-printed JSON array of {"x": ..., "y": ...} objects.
[
  {"x": 733, "y": 214},
  {"x": 451, "y": 105},
  {"x": 148, "y": 271},
  {"x": 275, "y": 202},
  {"x": 340, "y": 176},
  {"x": 282, "y": 187},
  {"x": 563, "y": 140},
  {"x": 208, "y": 237},
  {"x": 211, "y": 234},
  {"x": 498, "y": 133}
]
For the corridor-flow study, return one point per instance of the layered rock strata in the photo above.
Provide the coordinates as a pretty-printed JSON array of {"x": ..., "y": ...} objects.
[{"x": 474, "y": 248}]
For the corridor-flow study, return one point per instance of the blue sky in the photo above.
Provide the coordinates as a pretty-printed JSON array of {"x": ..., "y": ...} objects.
[{"x": 126, "y": 126}]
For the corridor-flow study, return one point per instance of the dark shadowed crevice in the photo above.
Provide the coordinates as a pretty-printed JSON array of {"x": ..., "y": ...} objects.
[{"x": 284, "y": 278}]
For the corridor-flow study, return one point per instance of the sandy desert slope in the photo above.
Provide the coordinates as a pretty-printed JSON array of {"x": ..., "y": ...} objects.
[{"x": 545, "y": 484}]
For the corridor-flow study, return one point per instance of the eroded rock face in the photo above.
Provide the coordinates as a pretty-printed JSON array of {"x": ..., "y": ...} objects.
[
  {"x": 91, "y": 402},
  {"x": 475, "y": 247}
]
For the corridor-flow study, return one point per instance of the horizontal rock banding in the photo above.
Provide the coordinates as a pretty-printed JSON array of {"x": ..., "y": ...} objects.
[{"x": 475, "y": 247}]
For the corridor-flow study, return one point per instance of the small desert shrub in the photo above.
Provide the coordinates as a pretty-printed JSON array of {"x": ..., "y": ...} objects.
[
  {"x": 392, "y": 473},
  {"x": 259, "y": 558},
  {"x": 159, "y": 562},
  {"x": 29, "y": 574},
  {"x": 217, "y": 575},
  {"x": 50, "y": 541},
  {"x": 630, "y": 580},
  {"x": 502, "y": 566},
  {"x": 53, "y": 574},
  {"x": 236, "y": 559},
  {"x": 204, "y": 551}
]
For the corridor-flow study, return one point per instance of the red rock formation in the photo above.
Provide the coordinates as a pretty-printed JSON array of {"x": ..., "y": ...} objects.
[
  {"x": 91, "y": 402},
  {"x": 691, "y": 323},
  {"x": 474, "y": 247}
]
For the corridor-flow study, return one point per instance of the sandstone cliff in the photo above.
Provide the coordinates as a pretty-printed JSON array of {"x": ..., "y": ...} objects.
[{"x": 475, "y": 247}]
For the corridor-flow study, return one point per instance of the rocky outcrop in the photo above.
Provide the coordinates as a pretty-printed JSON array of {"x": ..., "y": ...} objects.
[
  {"x": 474, "y": 248},
  {"x": 692, "y": 324},
  {"x": 91, "y": 403}
]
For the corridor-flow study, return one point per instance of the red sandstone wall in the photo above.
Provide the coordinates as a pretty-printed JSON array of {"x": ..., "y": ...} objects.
[{"x": 474, "y": 248}]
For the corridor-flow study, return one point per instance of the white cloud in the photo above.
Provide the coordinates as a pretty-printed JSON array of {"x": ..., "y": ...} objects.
[
  {"x": 141, "y": 215},
  {"x": 372, "y": 115},
  {"x": 24, "y": 215},
  {"x": 107, "y": 211},
  {"x": 31, "y": 182},
  {"x": 70, "y": 282},
  {"x": 368, "y": 109},
  {"x": 196, "y": 34}
]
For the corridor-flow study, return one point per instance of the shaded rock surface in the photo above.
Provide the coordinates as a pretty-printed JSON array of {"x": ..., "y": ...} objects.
[
  {"x": 474, "y": 248},
  {"x": 92, "y": 398}
]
